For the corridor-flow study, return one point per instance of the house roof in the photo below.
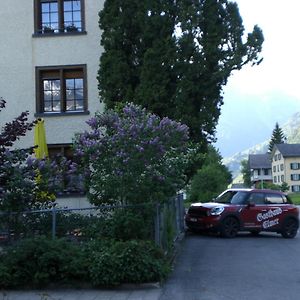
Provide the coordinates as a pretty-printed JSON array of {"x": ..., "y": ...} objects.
[
  {"x": 289, "y": 150},
  {"x": 258, "y": 161}
]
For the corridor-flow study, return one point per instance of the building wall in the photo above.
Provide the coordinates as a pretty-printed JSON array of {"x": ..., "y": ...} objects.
[
  {"x": 293, "y": 184},
  {"x": 282, "y": 171},
  {"x": 278, "y": 168},
  {"x": 21, "y": 53}
]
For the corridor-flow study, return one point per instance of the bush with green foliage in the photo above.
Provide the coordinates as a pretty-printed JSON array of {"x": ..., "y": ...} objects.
[
  {"x": 131, "y": 223},
  {"x": 40, "y": 262},
  {"x": 133, "y": 156},
  {"x": 127, "y": 262},
  {"x": 211, "y": 179}
]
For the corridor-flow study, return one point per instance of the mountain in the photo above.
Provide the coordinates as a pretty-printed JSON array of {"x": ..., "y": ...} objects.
[
  {"x": 291, "y": 130},
  {"x": 246, "y": 120}
]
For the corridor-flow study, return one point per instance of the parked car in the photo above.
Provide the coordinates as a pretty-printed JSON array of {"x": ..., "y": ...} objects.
[{"x": 250, "y": 210}]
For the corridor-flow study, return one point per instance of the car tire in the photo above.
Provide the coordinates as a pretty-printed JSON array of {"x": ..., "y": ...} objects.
[
  {"x": 255, "y": 232},
  {"x": 230, "y": 227},
  {"x": 290, "y": 228}
]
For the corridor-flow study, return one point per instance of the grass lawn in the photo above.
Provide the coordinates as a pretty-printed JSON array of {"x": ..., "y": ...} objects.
[{"x": 295, "y": 198}]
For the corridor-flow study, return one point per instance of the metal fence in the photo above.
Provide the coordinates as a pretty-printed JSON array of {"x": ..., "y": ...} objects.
[{"x": 162, "y": 223}]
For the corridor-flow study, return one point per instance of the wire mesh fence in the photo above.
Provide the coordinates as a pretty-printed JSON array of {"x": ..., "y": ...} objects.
[{"x": 159, "y": 222}]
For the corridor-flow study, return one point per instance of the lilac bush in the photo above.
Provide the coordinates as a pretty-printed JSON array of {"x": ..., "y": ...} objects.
[
  {"x": 26, "y": 182},
  {"x": 133, "y": 156}
]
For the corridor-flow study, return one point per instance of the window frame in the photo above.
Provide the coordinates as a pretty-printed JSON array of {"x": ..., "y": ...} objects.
[
  {"x": 38, "y": 30},
  {"x": 40, "y": 107}
]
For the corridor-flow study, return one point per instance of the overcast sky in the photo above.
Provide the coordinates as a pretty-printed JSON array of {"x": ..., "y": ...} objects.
[{"x": 274, "y": 84}]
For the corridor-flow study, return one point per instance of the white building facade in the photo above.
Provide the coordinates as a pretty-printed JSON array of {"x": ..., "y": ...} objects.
[
  {"x": 50, "y": 52},
  {"x": 286, "y": 165}
]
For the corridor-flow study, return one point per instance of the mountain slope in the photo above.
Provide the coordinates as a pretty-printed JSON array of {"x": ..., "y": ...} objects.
[{"x": 291, "y": 130}]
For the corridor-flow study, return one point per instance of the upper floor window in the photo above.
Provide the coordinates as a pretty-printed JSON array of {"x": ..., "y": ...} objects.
[
  {"x": 295, "y": 166},
  {"x": 295, "y": 177},
  {"x": 61, "y": 89},
  {"x": 59, "y": 16}
]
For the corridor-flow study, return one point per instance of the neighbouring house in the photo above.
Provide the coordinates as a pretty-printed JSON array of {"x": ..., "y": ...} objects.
[
  {"x": 260, "y": 168},
  {"x": 286, "y": 165},
  {"x": 49, "y": 61}
]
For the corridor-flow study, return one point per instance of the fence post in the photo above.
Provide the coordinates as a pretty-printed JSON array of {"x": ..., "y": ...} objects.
[
  {"x": 180, "y": 200},
  {"x": 53, "y": 223},
  {"x": 157, "y": 224}
]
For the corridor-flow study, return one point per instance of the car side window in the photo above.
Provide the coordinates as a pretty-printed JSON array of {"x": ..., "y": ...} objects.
[
  {"x": 257, "y": 198},
  {"x": 274, "y": 199}
]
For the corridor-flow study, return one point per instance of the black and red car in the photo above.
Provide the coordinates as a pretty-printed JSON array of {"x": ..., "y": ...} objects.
[{"x": 250, "y": 210}]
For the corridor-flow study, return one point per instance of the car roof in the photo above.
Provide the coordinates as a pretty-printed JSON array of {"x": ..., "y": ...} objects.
[{"x": 253, "y": 190}]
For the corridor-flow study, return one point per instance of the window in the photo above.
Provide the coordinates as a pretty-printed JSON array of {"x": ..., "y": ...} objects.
[
  {"x": 295, "y": 188},
  {"x": 275, "y": 157},
  {"x": 274, "y": 199},
  {"x": 275, "y": 179},
  {"x": 257, "y": 198},
  {"x": 266, "y": 172},
  {"x": 282, "y": 178},
  {"x": 279, "y": 156},
  {"x": 295, "y": 166},
  {"x": 274, "y": 169},
  {"x": 61, "y": 89},
  {"x": 281, "y": 167},
  {"x": 59, "y": 16},
  {"x": 295, "y": 177}
]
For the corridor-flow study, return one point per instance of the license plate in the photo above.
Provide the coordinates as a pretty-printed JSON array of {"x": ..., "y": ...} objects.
[{"x": 193, "y": 219}]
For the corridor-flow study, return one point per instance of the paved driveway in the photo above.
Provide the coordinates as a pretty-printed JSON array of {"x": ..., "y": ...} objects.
[{"x": 266, "y": 267}]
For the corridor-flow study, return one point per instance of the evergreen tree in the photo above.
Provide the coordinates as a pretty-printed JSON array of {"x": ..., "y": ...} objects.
[
  {"x": 174, "y": 57},
  {"x": 245, "y": 170},
  {"x": 278, "y": 137}
]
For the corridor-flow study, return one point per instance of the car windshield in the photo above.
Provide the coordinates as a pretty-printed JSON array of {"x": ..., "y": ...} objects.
[{"x": 233, "y": 197}]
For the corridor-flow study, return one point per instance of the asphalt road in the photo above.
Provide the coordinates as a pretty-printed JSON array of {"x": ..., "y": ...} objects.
[{"x": 266, "y": 267}]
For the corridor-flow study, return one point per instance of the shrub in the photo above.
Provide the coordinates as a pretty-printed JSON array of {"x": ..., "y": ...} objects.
[
  {"x": 38, "y": 262},
  {"x": 105, "y": 262},
  {"x": 127, "y": 224},
  {"x": 133, "y": 156},
  {"x": 127, "y": 262}
]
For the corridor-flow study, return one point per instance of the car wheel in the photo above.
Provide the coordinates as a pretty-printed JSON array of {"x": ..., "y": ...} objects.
[
  {"x": 230, "y": 227},
  {"x": 289, "y": 228},
  {"x": 255, "y": 232}
]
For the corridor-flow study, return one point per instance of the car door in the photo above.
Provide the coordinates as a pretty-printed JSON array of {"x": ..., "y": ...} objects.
[
  {"x": 255, "y": 206},
  {"x": 272, "y": 217}
]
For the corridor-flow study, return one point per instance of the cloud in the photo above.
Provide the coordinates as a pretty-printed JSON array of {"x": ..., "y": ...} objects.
[{"x": 279, "y": 70}]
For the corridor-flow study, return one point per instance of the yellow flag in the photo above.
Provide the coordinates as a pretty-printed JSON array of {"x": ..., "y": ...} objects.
[{"x": 41, "y": 150}]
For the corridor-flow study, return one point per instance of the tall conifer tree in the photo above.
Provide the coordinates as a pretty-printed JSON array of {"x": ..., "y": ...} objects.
[
  {"x": 278, "y": 137},
  {"x": 174, "y": 57}
]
